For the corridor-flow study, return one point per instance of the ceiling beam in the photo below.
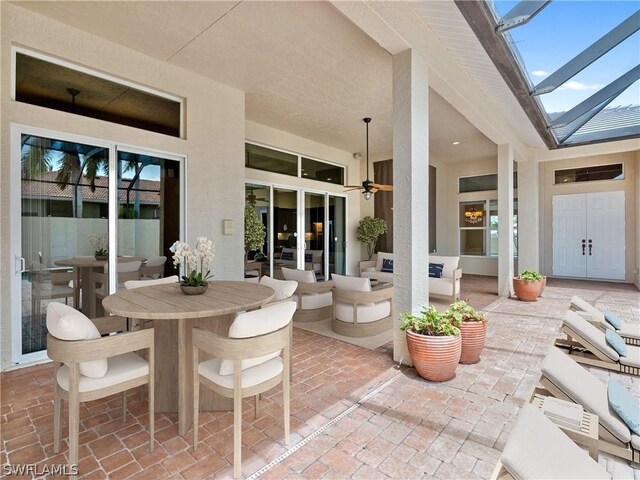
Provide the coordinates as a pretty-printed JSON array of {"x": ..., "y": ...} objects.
[
  {"x": 524, "y": 11},
  {"x": 589, "y": 55},
  {"x": 481, "y": 20}
]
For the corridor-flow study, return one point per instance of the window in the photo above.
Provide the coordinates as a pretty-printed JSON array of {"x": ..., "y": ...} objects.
[
  {"x": 479, "y": 228},
  {"x": 589, "y": 174},
  {"x": 69, "y": 88},
  {"x": 482, "y": 183},
  {"x": 276, "y": 161}
]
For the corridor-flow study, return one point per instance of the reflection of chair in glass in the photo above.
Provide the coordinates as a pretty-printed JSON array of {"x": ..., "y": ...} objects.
[
  {"x": 244, "y": 365},
  {"x": 153, "y": 268},
  {"x": 357, "y": 310},
  {"x": 88, "y": 367},
  {"x": 314, "y": 300},
  {"x": 126, "y": 271},
  {"x": 48, "y": 284},
  {"x": 135, "y": 323}
]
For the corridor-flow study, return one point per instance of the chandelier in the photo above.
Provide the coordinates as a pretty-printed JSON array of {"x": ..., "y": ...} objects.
[{"x": 473, "y": 216}]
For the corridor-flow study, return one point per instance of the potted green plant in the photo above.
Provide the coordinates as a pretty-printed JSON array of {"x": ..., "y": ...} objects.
[
  {"x": 254, "y": 231},
  {"x": 369, "y": 229},
  {"x": 473, "y": 328},
  {"x": 434, "y": 344},
  {"x": 528, "y": 285},
  {"x": 197, "y": 263}
]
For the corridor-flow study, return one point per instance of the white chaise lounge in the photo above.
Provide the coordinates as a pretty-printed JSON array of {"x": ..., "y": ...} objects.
[{"x": 630, "y": 332}]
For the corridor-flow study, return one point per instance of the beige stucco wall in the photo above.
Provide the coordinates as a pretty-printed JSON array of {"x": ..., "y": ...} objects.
[
  {"x": 214, "y": 143},
  {"x": 629, "y": 185},
  {"x": 637, "y": 165},
  {"x": 271, "y": 137}
]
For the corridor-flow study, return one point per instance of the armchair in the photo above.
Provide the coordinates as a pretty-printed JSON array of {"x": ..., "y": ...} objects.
[{"x": 313, "y": 299}]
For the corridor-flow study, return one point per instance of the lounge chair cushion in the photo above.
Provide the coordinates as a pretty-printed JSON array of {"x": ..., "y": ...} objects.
[
  {"x": 67, "y": 323},
  {"x": 367, "y": 313},
  {"x": 630, "y": 330},
  {"x": 351, "y": 284},
  {"x": 635, "y": 441},
  {"x": 617, "y": 342},
  {"x": 300, "y": 276},
  {"x": 625, "y": 405},
  {"x": 581, "y": 304},
  {"x": 539, "y": 449},
  {"x": 590, "y": 334},
  {"x": 450, "y": 264},
  {"x": 121, "y": 369},
  {"x": 632, "y": 358},
  {"x": 311, "y": 301},
  {"x": 254, "y": 324},
  {"x": 283, "y": 288},
  {"x": 613, "y": 319},
  {"x": 585, "y": 389},
  {"x": 382, "y": 256}
]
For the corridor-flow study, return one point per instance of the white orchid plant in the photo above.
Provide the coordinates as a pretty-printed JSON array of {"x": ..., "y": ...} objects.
[
  {"x": 196, "y": 261},
  {"x": 99, "y": 244}
]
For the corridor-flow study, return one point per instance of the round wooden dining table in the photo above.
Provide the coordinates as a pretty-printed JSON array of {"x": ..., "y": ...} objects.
[{"x": 174, "y": 315}]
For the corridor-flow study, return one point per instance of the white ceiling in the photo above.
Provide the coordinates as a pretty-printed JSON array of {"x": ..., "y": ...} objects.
[{"x": 305, "y": 68}]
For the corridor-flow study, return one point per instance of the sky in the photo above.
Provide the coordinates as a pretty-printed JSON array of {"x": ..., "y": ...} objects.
[{"x": 561, "y": 31}]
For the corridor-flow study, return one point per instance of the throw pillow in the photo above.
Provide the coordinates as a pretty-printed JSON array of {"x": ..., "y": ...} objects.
[
  {"x": 435, "y": 270},
  {"x": 616, "y": 342},
  {"x": 387, "y": 265},
  {"x": 287, "y": 255},
  {"x": 613, "y": 320},
  {"x": 308, "y": 257},
  {"x": 66, "y": 323},
  {"x": 625, "y": 405}
]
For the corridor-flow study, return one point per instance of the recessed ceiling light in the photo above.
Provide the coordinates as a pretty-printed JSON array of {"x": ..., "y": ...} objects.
[
  {"x": 456, "y": 143},
  {"x": 328, "y": 179},
  {"x": 305, "y": 174}
]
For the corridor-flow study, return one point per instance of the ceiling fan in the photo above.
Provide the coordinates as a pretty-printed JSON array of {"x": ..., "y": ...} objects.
[
  {"x": 252, "y": 199},
  {"x": 368, "y": 186}
]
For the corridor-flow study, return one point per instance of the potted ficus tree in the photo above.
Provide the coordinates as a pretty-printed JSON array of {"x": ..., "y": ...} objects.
[
  {"x": 528, "y": 285},
  {"x": 254, "y": 231},
  {"x": 434, "y": 344},
  {"x": 473, "y": 328},
  {"x": 369, "y": 229}
]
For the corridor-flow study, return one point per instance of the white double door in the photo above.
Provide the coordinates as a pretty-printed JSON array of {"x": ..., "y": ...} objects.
[{"x": 589, "y": 235}]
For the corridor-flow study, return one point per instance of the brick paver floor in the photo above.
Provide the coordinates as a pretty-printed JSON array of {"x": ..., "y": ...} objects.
[{"x": 390, "y": 423}]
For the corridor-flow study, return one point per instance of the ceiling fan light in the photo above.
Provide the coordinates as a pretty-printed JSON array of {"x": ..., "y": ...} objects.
[{"x": 367, "y": 194}]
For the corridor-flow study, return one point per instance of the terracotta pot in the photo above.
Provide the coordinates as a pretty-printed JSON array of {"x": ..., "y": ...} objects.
[
  {"x": 474, "y": 335},
  {"x": 543, "y": 283},
  {"x": 190, "y": 290},
  {"x": 526, "y": 291},
  {"x": 435, "y": 357}
]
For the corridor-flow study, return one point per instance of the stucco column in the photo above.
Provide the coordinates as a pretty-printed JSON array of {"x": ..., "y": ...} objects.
[
  {"x": 410, "y": 191},
  {"x": 505, "y": 220},
  {"x": 528, "y": 216}
]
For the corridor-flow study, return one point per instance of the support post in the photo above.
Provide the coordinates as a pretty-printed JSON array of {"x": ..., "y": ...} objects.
[
  {"x": 528, "y": 216},
  {"x": 505, "y": 220},
  {"x": 410, "y": 195}
]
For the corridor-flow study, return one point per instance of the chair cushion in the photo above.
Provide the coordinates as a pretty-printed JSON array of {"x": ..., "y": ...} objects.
[
  {"x": 382, "y": 276},
  {"x": 590, "y": 333},
  {"x": 580, "y": 304},
  {"x": 121, "y": 368},
  {"x": 131, "y": 284},
  {"x": 613, "y": 319},
  {"x": 66, "y": 323},
  {"x": 283, "y": 288},
  {"x": 382, "y": 256},
  {"x": 625, "y": 405},
  {"x": 256, "y": 323},
  {"x": 442, "y": 286},
  {"x": 54, "y": 290},
  {"x": 366, "y": 313},
  {"x": 632, "y": 358},
  {"x": 616, "y": 341},
  {"x": 351, "y": 284},
  {"x": 300, "y": 276},
  {"x": 635, "y": 441},
  {"x": 312, "y": 301},
  {"x": 250, "y": 376},
  {"x": 539, "y": 449},
  {"x": 156, "y": 261},
  {"x": 125, "y": 267},
  {"x": 630, "y": 330},
  {"x": 435, "y": 270},
  {"x": 450, "y": 264},
  {"x": 387, "y": 265},
  {"x": 583, "y": 388}
]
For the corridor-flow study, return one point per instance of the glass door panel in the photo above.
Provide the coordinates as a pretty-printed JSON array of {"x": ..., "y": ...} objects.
[
  {"x": 285, "y": 230},
  {"x": 148, "y": 215},
  {"x": 314, "y": 233},
  {"x": 337, "y": 235},
  {"x": 257, "y": 198},
  {"x": 64, "y": 220}
]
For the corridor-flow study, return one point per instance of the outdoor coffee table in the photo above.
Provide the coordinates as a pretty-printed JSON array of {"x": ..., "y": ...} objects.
[{"x": 174, "y": 315}]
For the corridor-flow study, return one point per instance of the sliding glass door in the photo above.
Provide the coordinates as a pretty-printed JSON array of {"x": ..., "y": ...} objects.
[{"x": 86, "y": 209}]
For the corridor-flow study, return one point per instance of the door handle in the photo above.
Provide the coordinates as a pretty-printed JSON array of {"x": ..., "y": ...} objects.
[
  {"x": 590, "y": 245},
  {"x": 583, "y": 246},
  {"x": 19, "y": 261}
]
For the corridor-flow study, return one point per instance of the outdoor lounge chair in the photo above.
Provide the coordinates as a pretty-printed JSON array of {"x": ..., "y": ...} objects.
[
  {"x": 539, "y": 449},
  {"x": 630, "y": 332},
  {"x": 587, "y": 344},
  {"x": 563, "y": 378},
  {"x": 314, "y": 300}
]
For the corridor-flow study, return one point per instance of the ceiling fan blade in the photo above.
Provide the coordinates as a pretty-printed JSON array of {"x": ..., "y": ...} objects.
[{"x": 384, "y": 188}]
